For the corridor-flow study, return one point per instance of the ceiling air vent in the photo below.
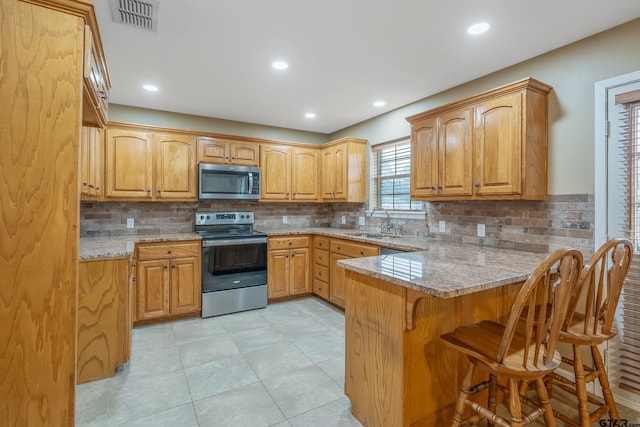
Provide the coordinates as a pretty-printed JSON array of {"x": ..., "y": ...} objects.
[{"x": 138, "y": 13}]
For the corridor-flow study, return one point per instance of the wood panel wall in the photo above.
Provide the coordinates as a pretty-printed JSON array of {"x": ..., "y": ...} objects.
[
  {"x": 40, "y": 120},
  {"x": 103, "y": 320}
]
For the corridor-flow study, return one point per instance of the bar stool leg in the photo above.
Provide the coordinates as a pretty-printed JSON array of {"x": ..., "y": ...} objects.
[
  {"x": 515, "y": 407},
  {"x": 543, "y": 397},
  {"x": 493, "y": 392},
  {"x": 604, "y": 383},
  {"x": 581, "y": 388},
  {"x": 463, "y": 396}
]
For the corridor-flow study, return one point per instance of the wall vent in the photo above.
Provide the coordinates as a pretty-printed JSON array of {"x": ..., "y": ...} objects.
[{"x": 138, "y": 13}]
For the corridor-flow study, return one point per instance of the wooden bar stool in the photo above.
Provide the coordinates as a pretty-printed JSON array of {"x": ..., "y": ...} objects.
[
  {"x": 590, "y": 323},
  {"x": 520, "y": 350}
]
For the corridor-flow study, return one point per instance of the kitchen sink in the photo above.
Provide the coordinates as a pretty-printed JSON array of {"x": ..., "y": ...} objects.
[{"x": 373, "y": 235}]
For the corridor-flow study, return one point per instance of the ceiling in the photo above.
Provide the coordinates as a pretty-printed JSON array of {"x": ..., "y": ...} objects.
[{"x": 213, "y": 58}]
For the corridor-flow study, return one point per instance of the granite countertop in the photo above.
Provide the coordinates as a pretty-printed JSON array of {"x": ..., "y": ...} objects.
[
  {"x": 448, "y": 270},
  {"x": 122, "y": 246}
]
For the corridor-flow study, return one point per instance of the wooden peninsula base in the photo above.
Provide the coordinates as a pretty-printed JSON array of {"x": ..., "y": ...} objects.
[{"x": 397, "y": 370}]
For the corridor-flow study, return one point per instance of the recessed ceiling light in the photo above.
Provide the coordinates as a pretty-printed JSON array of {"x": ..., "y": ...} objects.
[
  {"x": 310, "y": 115},
  {"x": 379, "y": 104},
  {"x": 478, "y": 28},
  {"x": 150, "y": 88},
  {"x": 280, "y": 65}
]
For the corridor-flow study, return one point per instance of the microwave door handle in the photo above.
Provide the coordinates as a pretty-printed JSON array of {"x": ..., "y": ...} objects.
[{"x": 250, "y": 183}]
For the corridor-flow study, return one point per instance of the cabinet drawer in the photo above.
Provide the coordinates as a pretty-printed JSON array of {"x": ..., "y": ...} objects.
[
  {"x": 321, "y": 243},
  {"x": 321, "y": 257},
  {"x": 288, "y": 242},
  {"x": 321, "y": 289},
  {"x": 168, "y": 250},
  {"x": 353, "y": 250},
  {"x": 320, "y": 273}
]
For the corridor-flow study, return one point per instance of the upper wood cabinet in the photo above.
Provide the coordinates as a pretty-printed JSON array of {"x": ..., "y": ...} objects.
[
  {"x": 343, "y": 170},
  {"x": 147, "y": 166},
  {"x": 96, "y": 85},
  {"x": 216, "y": 150},
  {"x": 289, "y": 173},
  {"x": 91, "y": 163},
  {"x": 490, "y": 146}
]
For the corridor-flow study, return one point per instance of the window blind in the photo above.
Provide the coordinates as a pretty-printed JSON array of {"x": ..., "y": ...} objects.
[
  {"x": 390, "y": 169},
  {"x": 626, "y": 350}
]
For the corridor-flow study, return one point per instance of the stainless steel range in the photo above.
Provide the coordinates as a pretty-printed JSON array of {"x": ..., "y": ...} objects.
[{"x": 234, "y": 263}]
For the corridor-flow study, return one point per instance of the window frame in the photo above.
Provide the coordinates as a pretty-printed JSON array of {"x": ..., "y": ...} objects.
[{"x": 377, "y": 180}]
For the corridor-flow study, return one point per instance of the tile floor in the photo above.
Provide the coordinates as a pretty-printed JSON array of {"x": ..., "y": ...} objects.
[{"x": 278, "y": 366}]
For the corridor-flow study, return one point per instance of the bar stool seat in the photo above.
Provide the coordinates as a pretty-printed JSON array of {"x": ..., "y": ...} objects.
[{"x": 520, "y": 350}]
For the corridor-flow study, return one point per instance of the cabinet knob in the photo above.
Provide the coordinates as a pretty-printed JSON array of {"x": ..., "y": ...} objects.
[
  {"x": 227, "y": 158},
  {"x": 169, "y": 251},
  {"x": 361, "y": 252},
  {"x": 165, "y": 266},
  {"x": 433, "y": 187},
  {"x": 439, "y": 187},
  {"x": 477, "y": 185},
  {"x": 158, "y": 190},
  {"x": 233, "y": 158},
  {"x": 173, "y": 266},
  {"x": 97, "y": 188},
  {"x": 290, "y": 243},
  {"x": 148, "y": 190}
]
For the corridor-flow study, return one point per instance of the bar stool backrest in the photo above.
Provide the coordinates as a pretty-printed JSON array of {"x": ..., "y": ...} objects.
[
  {"x": 599, "y": 287},
  {"x": 542, "y": 305}
]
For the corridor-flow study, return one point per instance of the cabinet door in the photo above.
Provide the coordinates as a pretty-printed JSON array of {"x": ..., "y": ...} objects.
[
  {"x": 304, "y": 174},
  {"x": 152, "y": 293},
  {"x": 328, "y": 173},
  {"x": 175, "y": 176},
  {"x": 185, "y": 285},
  {"x": 336, "y": 289},
  {"x": 424, "y": 158},
  {"x": 85, "y": 161},
  {"x": 498, "y": 146},
  {"x": 213, "y": 150},
  {"x": 276, "y": 172},
  {"x": 454, "y": 153},
  {"x": 97, "y": 161},
  {"x": 278, "y": 274},
  {"x": 128, "y": 165},
  {"x": 244, "y": 153},
  {"x": 299, "y": 269},
  {"x": 341, "y": 168}
]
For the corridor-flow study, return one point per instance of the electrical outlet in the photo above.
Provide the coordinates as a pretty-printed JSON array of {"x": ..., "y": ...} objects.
[
  {"x": 360, "y": 220},
  {"x": 481, "y": 230},
  {"x": 442, "y": 227},
  {"x": 130, "y": 223},
  {"x": 343, "y": 220},
  {"x": 285, "y": 219}
]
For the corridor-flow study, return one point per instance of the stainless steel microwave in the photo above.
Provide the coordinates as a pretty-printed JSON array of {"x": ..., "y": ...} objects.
[{"x": 226, "y": 182}]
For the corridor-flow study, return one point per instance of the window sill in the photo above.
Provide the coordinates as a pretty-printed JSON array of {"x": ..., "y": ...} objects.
[{"x": 396, "y": 214}]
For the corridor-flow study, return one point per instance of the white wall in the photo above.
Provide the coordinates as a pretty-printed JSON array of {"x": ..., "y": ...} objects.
[{"x": 572, "y": 71}]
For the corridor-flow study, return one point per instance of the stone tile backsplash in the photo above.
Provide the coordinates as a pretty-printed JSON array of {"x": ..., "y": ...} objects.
[{"x": 562, "y": 220}]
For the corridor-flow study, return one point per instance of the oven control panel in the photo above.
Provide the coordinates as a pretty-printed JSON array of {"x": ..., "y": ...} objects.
[{"x": 223, "y": 218}]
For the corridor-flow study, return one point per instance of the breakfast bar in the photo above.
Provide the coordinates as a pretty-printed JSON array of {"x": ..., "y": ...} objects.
[{"x": 397, "y": 370}]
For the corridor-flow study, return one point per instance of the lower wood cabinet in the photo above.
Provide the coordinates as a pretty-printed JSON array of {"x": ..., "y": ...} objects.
[
  {"x": 343, "y": 249},
  {"x": 288, "y": 262},
  {"x": 168, "y": 280},
  {"x": 104, "y": 324}
]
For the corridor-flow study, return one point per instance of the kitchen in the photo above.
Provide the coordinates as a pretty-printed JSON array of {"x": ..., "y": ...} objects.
[{"x": 571, "y": 70}]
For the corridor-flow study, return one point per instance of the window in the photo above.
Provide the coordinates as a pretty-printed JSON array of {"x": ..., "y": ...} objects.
[{"x": 390, "y": 168}]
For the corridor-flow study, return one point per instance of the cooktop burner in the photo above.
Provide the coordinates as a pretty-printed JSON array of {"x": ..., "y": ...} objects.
[{"x": 225, "y": 225}]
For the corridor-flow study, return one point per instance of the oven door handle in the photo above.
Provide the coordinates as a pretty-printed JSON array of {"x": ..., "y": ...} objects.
[{"x": 229, "y": 242}]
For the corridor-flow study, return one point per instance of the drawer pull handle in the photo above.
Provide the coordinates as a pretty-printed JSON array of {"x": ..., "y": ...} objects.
[
  {"x": 361, "y": 252},
  {"x": 169, "y": 251}
]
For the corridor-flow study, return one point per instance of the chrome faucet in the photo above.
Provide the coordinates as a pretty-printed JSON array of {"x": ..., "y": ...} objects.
[{"x": 388, "y": 226}]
